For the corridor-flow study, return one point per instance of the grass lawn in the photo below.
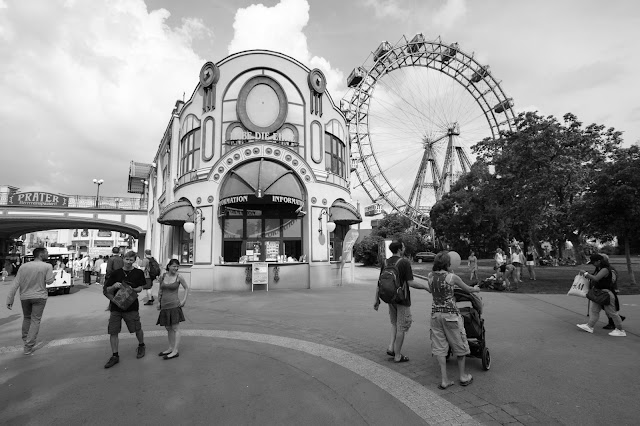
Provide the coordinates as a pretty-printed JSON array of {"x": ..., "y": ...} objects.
[{"x": 549, "y": 279}]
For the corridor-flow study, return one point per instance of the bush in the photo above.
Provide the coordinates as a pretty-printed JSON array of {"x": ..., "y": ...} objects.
[{"x": 366, "y": 251}]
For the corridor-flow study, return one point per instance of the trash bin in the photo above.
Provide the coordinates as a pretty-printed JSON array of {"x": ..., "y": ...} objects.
[{"x": 87, "y": 277}]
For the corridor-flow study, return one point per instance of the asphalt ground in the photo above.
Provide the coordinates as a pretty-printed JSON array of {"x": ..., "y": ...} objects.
[{"x": 317, "y": 357}]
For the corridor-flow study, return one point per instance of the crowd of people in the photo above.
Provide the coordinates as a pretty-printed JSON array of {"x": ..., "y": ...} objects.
[{"x": 120, "y": 275}]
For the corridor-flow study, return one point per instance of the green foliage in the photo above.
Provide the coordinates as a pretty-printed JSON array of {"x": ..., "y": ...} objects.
[
  {"x": 537, "y": 192},
  {"x": 392, "y": 225},
  {"x": 366, "y": 251}
]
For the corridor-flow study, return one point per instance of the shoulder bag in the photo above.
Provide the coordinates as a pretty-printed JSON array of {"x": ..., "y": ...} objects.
[{"x": 601, "y": 297}]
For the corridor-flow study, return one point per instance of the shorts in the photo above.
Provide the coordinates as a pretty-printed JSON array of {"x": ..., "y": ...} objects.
[
  {"x": 131, "y": 319},
  {"x": 530, "y": 263},
  {"x": 148, "y": 284},
  {"x": 447, "y": 331},
  {"x": 503, "y": 267},
  {"x": 400, "y": 316},
  {"x": 517, "y": 264}
]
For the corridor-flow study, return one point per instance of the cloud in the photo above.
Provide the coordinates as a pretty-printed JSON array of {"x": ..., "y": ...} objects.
[
  {"x": 83, "y": 97},
  {"x": 387, "y": 8},
  {"x": 450, "y": 12},
  {"x": 280, "y": 28}
]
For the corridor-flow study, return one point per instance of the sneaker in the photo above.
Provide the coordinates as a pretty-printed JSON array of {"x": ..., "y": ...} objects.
[
  {"x": 585, "y": 327},
  {"x": 112, "y": 361},
  {"x": 618, "y": 333},
  {"x": 149, "y": 302},
  {"x": 141, "y": 351},
  {"x": 28, "y": 351}
]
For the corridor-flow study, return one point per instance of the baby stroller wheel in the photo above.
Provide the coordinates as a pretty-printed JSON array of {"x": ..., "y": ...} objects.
[{"x": 486, "y": 359}]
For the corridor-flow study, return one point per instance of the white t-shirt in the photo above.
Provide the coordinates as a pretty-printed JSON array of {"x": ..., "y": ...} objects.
[
  {"x": 103, "y": 268},
  {"x": 499, "y": 259}
]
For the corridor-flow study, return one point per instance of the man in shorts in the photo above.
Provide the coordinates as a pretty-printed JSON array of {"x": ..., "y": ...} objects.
[
  {"x": 135, "y": 278},
  {"x": 400, "y": 314}
]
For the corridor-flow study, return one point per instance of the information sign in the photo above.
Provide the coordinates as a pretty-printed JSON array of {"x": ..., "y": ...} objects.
[{"x": 260, "y": 273}]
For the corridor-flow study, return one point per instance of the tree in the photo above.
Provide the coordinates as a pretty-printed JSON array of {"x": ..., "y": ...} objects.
[
  {"x": 366, "y": 251},
  {"x": 470, "y": 215},
  {"x": 612, "y": 204},
  {"x": 544, "y": 168}
]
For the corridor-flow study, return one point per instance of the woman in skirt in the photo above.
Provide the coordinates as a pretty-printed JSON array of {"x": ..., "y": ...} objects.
[{"x": 170, "y": 306}]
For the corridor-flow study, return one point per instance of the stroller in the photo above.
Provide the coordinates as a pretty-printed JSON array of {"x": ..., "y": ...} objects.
[{"x": 470, "y": 307}]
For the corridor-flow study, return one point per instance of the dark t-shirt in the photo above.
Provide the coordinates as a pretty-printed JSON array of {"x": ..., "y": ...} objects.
[
  {"x": 405, "y": 271},
  {"x": 604, "y": 283},
  {"x": 114, "y": 262},
  {"x": 135, "y": 278}
]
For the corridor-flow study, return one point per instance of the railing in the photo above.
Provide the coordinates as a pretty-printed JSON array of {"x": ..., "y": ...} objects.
[{"x": 89, "y": 202}]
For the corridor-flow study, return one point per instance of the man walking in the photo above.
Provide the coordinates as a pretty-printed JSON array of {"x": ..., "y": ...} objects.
[
  {"x": 400, "y": 314},
  {"x": 135, "y": 278},
  {"x": 32, "y": 280},
  {"x": 146, "y": 268}
]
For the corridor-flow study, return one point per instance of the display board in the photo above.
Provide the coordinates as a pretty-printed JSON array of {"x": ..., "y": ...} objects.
[{"x": 272, "y": 250}]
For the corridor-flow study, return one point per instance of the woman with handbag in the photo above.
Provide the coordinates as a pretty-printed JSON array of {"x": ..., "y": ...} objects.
[
  {"x": 170, "y": 306},
  {"x": 601, "y": 296}
]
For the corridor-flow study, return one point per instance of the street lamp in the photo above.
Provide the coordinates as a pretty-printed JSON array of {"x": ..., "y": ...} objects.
[{"x": 98, "y": 182}]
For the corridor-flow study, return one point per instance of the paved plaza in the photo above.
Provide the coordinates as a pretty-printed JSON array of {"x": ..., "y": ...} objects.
[{"x": 316, "y": 357}]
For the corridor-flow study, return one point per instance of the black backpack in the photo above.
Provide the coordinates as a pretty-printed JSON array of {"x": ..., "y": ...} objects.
[
  {"x": 390, "y": 289},
  {"x": 154, "y": 268}
]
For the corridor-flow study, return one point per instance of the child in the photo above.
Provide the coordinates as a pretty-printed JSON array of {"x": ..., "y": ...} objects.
[
  {"x": 4, "y": 273},
  {"x": 473, "y": 267}
]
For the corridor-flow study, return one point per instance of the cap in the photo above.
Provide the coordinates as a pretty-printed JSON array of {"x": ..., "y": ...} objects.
[
  {"x": 147, "y": 251},
  {"x": 594, "y": 258}
]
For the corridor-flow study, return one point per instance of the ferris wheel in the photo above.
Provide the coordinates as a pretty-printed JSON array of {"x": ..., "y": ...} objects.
[{"x": 414, "y": 109}]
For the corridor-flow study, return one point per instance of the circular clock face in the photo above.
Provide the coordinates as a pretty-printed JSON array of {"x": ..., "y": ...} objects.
[
  {"x": 262, "y": 105},
  {"x": 209, "y": 74},
  {"x": 317, "y": 81}
]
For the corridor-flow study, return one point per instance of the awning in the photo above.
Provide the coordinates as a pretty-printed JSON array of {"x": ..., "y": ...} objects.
[
  {"x": 177, "y": 213},
  {"x": 343, "y": 213},
  {"x": 261, "y": 182}
]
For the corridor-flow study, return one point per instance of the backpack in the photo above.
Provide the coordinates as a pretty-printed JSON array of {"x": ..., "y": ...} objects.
[
  {"x": 154, "y": 268},
  {"x": 390, "y": 289}
]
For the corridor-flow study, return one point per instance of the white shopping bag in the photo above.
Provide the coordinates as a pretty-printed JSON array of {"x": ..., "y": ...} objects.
[{"x": 580, "y": 287}]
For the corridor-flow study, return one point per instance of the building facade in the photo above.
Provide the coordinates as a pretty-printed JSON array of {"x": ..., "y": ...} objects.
[{"x": 254, "y": 167}]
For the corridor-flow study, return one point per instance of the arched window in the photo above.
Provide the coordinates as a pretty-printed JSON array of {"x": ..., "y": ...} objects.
[
  {"x": 334, "y": 158},
  {"x": 335, "y": 149},
  {"x": 189, "y": 155}
]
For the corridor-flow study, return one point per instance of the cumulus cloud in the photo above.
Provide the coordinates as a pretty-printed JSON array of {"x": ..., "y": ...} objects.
[
  {"x": 280, "y": 28},
  {"x": 83, "y": 97},
  {"x": 450, "y": 12}
]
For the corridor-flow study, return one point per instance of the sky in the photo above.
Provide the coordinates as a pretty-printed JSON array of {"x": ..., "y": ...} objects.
[{"x": 87, "y": 87}]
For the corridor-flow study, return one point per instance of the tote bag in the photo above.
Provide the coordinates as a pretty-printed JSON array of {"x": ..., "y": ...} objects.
[{"x": 580, "y": 287}]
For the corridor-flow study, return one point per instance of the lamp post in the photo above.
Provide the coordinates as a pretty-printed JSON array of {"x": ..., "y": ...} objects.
[{"x": 98, "y": 182}]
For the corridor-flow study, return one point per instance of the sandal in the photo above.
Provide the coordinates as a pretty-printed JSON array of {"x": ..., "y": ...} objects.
[
  {"x": 391, "y": 353},
  {"x": 402, "y": 359},
  {"x": 446, "y": 386},
  {"x": 468, "y": 382}
]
